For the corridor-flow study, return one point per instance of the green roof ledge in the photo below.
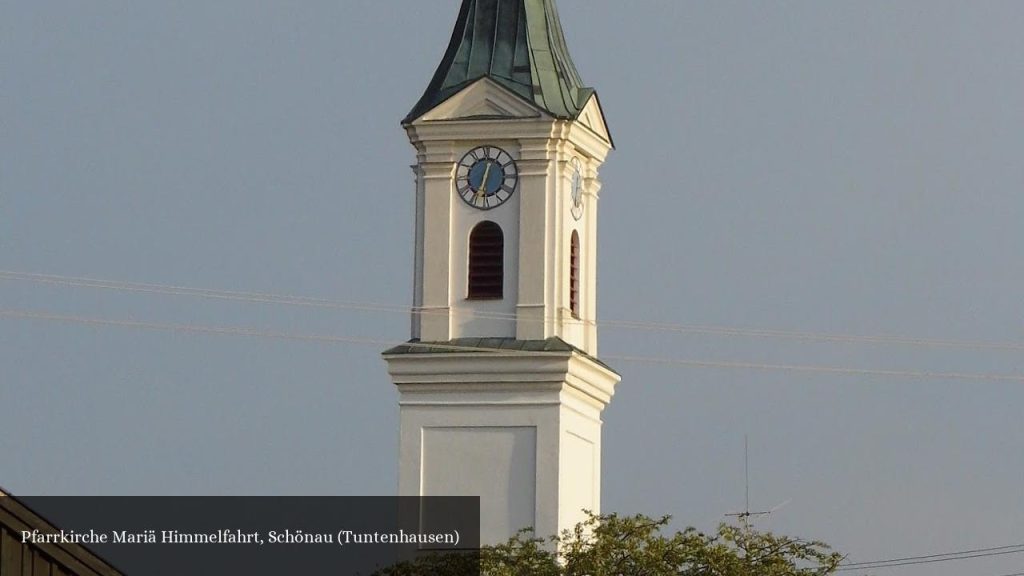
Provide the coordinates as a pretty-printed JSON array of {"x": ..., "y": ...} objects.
[
  {"x": 492, "y": 345},
  {"x": 517, "y": 43}
]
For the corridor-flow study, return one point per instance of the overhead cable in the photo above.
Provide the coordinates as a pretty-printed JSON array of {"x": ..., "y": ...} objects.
[
  {"x": 291, "y": 300},
  {"x": 261, "y": 333}
]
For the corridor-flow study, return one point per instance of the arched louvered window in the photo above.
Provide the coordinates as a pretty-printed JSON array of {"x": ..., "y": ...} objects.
[
  {"x": 486, "y": 262},
  {"x": 574, "y": 274}
]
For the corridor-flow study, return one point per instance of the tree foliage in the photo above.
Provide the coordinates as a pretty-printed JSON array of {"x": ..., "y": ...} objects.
[{"x": 613, "y": 545}]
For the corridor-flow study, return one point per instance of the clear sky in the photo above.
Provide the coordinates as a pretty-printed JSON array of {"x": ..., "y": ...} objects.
[{"x": 840, "y": 168}]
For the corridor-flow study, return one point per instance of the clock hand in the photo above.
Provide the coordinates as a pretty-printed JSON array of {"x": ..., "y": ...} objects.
[{"x": 483, "y": 184}]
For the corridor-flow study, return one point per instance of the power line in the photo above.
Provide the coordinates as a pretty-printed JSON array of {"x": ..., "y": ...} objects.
[
  {"x": 260, "y": 333},
  {"x": 254, "y": 332},
  {"x": 210, "y": 293},
  {"x": 291, "y": 300},
  {"x": 974, "y": 551},
  {"x": 932, "y": 561},
  {"x": 933, "y": 558},
  {"x": 917, "y": 374},
  {"x": 818, "y": 336},
  {"x": 186, "y": 328}
]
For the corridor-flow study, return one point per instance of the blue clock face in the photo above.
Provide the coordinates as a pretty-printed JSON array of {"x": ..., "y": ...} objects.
[{"x": 486, "y": 177}]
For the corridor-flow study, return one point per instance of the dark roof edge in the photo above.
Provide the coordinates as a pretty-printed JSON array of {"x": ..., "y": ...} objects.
[
  {"x": 591, "y": 93},
  {"x": 485, "y": 345},
  {"x": 425, "y": 103},
  {"x": 80, "y": 552},
  {"x": 409, "y": 120}
]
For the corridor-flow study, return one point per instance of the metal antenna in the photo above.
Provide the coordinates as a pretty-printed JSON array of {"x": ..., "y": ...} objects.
[
  {"x": 746, "y": 472},
  {"x": 745, "y": 516}
]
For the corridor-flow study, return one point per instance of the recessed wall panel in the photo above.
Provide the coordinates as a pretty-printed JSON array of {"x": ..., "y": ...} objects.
[{"x": 499, "y": 464}]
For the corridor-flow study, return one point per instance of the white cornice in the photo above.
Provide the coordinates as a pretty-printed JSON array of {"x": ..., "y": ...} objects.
[
  {"x": 529, "y": 377},
  {"x": 435, "y": 140}
]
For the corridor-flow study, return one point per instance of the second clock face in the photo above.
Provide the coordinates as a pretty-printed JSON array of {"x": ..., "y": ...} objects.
[
  {"x": 486, "y": 177},
  {"x": 577, "y": 188}
]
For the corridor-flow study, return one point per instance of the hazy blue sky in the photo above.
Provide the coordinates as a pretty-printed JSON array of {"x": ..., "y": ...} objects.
[{"x": 833, "y": 167}]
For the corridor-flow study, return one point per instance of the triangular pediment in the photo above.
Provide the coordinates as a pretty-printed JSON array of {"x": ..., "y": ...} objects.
[
  {"x": 593, "y": 118},
  {"x": 483, "y": 99}
]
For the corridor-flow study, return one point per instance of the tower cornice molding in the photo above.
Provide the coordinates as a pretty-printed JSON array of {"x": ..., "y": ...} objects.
[
  {"x": 534, "y": 167},
  {"x": 438, "y": 170},
  {"x": 437, "y": 140},
  {"x": 474, "y": 130},
  {"x": 504, "y": 373}
]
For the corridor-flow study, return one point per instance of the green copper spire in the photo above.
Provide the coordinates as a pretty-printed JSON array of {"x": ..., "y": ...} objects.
[{"x": 516, "y": 43}]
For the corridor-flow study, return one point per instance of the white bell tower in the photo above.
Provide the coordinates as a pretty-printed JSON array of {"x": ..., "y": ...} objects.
[{"x": 500, "y": 388}]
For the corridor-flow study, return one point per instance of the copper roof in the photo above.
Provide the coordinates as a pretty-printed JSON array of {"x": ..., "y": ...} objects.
[{"x": 517, "y": 43}]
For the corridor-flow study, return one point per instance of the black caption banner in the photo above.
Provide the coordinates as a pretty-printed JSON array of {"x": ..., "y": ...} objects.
[{"x": 196, "y": 536}]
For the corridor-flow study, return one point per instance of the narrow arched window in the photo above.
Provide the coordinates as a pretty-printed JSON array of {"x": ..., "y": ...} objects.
[
  {"x": 574, "y": 274},
  {"x": 486, "y": 262}
]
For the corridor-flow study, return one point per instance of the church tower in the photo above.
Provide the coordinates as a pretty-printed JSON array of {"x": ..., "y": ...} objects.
[{"x": 501, "y": 391}]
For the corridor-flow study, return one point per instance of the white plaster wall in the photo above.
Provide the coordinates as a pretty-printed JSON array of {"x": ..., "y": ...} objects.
[
  {"x": 536, "y": 248},
  {"x": 503, "y": 463},
  {"x": 498, "y": 424},
  {"x": 484, "y": 318},
  {"x": 463, "y": 421},
  {"x": 436, "y": 171},
  {"x": 453, "y": 448},
  {"x": 580, "y": 466},
  {"x": 417, "y": 280},
  {"x": 537, "y": 221},
  {"x": 588, "y": 259},
  {"x": 579, "y": 332},
  {"x": 580, "y": 462}
]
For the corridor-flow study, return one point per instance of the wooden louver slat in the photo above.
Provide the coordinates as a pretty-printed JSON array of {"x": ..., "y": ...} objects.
[
  {"x": 574, "y": 275},
  {"x": 486, "y": 262}
]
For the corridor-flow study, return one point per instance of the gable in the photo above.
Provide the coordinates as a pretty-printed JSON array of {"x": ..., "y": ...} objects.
[
  {"x": 593, "y": 118},
  {"x": 483, "y": 99}
]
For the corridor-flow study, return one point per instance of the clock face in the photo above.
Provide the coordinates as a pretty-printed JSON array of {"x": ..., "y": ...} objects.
[
  {"x": 577, "y": 188},
  {"x": 486, "y": 177}
]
